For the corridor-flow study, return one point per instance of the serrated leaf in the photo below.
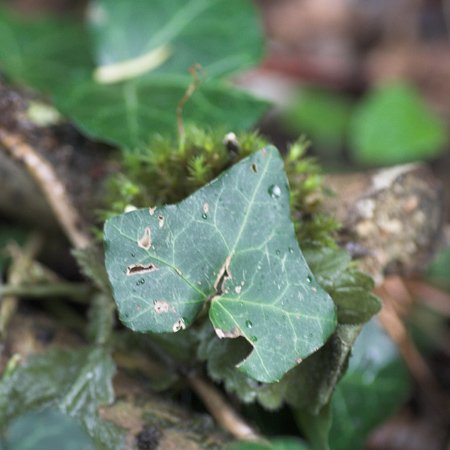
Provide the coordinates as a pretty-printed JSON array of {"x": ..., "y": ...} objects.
[
  {"x": 75, "y": 381},
  {"x": 355, "y": 305},
  {"x": 231, "y": 243},
  {"x": 349, "y": 289},
  {"x": 92, "y": 264},
  {"x": 326, "y": 263}
]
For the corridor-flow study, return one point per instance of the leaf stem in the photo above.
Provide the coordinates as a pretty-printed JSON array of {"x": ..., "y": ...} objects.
[{"x": 190, "y": 90}]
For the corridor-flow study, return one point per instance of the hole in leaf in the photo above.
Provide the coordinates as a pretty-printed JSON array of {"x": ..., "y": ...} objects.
[
  {"x": 255, "y": 168},
  {"x": 223, "y": 276},
  {"x": 233, "y": 333},
  {"x": 134, "y": 269},
  {"x": 161, "y": 306},
  {"x": 179, "y": 325},
  {"x": 146, "y": 240}
]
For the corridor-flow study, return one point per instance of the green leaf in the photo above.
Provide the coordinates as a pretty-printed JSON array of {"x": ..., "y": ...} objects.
[
  {"x": 325, "y": 263},
  {"x": 393, "y": 125},
  {"x": 92, "y": 264},
  {"x": 316, "y": 427},
  {"x": 192, "y": 31},
  {"x": 349, "y": 289},
  {"x": 42, "y": 53},
  {"x": 355, "y": 305},
  {"x": 376, "y": 374},
  {"x": 128, "y": 113},
  {"x": 48, "y": 429},
  {"x": 56, "y": 57},
  {"x": 185, "y": 33},
  {"x": 311, "y": 384},
  {"x": 232, "y": 244},
  {"x": 75, "y": 381}
]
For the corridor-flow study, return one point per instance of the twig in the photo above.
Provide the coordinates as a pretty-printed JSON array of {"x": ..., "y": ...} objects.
[
  {"x": 430, "y": 296},
  {"x": 190, "y": 90},
  {"x": 52, "y": 188},
  {"x": 413, "y": 359},
  {"x": 222, "y": 411}
]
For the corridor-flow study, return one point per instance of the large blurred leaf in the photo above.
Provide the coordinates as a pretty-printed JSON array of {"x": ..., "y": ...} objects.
[
  {"x": 231, "y": 243},
  {"x": 49, "y": 429},
  {"x": 393, "y": 125},
  {"x": 75, "y": 381},
  {"x": 222, "y": 36},
  {"x": 42, "y": 53},
  {"x": 185, "y": 33},
  {"x": 375, "y": 385},
  {"x": 56, "y": 57},
  {"x": 128, "y": 113}
]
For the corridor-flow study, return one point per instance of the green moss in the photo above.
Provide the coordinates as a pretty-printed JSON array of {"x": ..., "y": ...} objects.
[{"x": 159, "y": 173}]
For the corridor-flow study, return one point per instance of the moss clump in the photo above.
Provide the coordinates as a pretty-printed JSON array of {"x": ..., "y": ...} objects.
[{"x": 162, "y": 173}]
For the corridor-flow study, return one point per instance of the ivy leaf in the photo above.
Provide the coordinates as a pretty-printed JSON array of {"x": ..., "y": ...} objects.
[
  {"x": 121, "y": 105},
  {"x": 231, "y": 244},
  {"x": 60, "y": 58},
  {"x": 75, "y": 381},
  {"x": 309, "y": 386}
]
